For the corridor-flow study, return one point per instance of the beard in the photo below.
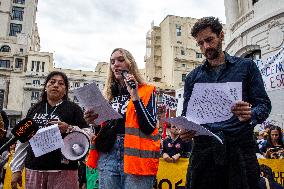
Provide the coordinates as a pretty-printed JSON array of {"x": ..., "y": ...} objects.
[{"x": 214, "y": 53}]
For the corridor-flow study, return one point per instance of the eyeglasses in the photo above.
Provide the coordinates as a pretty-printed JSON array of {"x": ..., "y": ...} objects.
[{"x": 119, "y": 59}]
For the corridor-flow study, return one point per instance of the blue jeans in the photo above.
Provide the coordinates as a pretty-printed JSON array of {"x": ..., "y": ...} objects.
[{"x": 111, "y": 173}]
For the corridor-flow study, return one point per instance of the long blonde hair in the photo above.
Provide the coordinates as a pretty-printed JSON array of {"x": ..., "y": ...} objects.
[{"x": 133, "y": 69}]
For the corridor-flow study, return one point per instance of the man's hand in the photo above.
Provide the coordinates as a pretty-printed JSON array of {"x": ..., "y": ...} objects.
[
  {"x": 16, "y": 179},
  {"x": 186, "y": 135},
  {"x": 167, "y": 158},
  {"x": 242, "y": 110}
]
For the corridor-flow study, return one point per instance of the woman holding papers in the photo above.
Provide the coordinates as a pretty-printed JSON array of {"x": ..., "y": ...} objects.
[
  {"x": 50, "y": 170},
  {"x": 133, "y": 160}
]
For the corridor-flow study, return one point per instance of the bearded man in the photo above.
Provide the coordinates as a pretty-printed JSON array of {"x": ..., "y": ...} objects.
[{"x": 232, "y": 165}]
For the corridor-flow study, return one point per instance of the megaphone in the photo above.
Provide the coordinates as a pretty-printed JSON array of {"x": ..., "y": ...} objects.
[{"x": 76, "y": 145}]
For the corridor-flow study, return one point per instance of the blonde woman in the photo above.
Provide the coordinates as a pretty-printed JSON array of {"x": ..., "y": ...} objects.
[{"x": 132, "y": 162}]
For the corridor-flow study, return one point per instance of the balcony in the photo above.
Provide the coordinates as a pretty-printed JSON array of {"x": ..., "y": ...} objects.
[{"x": 30, "y": 86}]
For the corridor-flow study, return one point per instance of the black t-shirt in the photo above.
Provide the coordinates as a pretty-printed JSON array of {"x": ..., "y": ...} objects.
[
  {"x": 173, "y": 147},
  {"x": 41, "y": 113}
]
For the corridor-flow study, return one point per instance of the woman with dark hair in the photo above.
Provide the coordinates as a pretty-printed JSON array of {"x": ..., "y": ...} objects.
[
  {"x": 132, "y": 162},
  {"x": 274, "y": 146},
  {"x": 50, "y": 170}
]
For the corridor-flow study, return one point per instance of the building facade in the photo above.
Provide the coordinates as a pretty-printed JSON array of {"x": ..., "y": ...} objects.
[
  {"x": 23, "y": 68},
  {"x": 171, "y": 52},
  {"x": 255, "y": 29}
]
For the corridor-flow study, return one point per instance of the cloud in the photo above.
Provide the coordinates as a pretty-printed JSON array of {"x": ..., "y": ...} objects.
[{"x": 81, "y": 33}]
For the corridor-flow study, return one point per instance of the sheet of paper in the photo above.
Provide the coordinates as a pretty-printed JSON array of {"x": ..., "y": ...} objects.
[
  {"x": 183, "y": 124},
  {"x": 90, "y": 97},
  {"x": 212, "y": 102},
  {"x": 235, "y": 90},
  {"x": 46, "y": 140}
]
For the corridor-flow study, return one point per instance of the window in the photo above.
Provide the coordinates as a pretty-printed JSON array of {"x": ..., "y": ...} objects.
[
  {"x": 198, "y": 55},
  {"x": 19, "y": 63},
  {"x": 21, "y": 50},
  {"x": 15, "y": 28},
  {"x": 178, "y": 30},
  {"x": 5, "y": 48},
  {"x": 19, "y": 1},
  {"x": 5, "y": 63},
  {"x": 254, "y": 55},
  {"x": 182, "y": 52},
  {"x": 42, "y": 66},
  {"x": 17, "y": 13},
  {"x": 36, "y": 82},
  {"x": 76, "y": 84},
  {"x": 37, "y": 66},
  {"x": 13, "y": 122},
  {"x": 35, "y": 95},
  {"x": 33, "y": 65},
  {"x": 183, "y": 76}
]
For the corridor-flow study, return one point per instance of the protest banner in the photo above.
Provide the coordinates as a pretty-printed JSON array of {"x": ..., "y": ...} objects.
[
  {"x": 170, "y": 102},
  {"x": 173, "y": 175},
  {"x": 272, "y": 71},
  {"x": 277, "y": 166}
]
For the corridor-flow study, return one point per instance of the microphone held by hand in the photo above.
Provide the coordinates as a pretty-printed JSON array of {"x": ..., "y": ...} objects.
[
  {"x": 23, "y": 132},
  {"x": 131, "y": 83}
]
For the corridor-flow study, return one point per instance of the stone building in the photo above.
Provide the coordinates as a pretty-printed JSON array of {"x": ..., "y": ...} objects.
[
  {"x": 23, "y": 68},
  {"x": 255, "y": 29},
  {"x": 171, "y": 52}
]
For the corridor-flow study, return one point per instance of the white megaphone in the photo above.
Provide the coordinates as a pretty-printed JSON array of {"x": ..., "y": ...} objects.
[{"x": 76, "y": 145}]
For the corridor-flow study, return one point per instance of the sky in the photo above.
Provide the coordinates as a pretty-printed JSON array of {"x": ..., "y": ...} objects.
[{"x": 82, "y": 33}]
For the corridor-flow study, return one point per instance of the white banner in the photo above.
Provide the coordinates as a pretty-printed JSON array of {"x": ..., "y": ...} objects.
[
  {"x": 170, "y": 101},
  {"x": 272, "y": 71}
]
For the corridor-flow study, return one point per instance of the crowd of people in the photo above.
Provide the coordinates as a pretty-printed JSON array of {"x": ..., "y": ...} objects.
[
  {"x": 270, "y": 142},
  {"x": 125, "y": 152}
]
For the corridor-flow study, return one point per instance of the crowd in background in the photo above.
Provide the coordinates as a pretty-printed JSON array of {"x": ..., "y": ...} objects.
[{"x": 270, "y": 142}]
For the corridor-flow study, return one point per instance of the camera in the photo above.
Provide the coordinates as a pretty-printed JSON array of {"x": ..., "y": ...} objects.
[{"x": 275, "y": 149}]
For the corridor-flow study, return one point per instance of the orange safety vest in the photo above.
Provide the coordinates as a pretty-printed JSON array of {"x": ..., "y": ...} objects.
[{"x": 141, "y": 151}]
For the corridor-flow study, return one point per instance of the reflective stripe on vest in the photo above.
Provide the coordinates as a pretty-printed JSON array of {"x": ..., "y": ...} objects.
[
  {"x": 142, "y": 153},
  {"x": 137, "y": 132}
]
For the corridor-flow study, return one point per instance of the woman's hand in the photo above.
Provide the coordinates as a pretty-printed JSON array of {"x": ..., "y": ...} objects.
[
  {"x": 90, "y": 116},
  {"x": 176, "y": 157},
  {"x": 167, "y": 158},
  {"x": 132, "y": 92},
  {"x": 63, "y": 127},
  {"x": 16, "y": 179}
]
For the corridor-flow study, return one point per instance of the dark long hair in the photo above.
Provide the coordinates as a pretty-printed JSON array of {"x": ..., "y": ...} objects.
[
  {"x": 50, "y": 75},
  {"x": 280, "y": 138}
]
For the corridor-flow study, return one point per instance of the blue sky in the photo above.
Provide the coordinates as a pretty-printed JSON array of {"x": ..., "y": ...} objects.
[{"x": 82, "y": 33}]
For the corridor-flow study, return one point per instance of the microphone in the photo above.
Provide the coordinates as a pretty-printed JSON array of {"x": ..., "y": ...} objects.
[
  {"x": 23, "y": 132},
  {"x": 131, "y": 83}
]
